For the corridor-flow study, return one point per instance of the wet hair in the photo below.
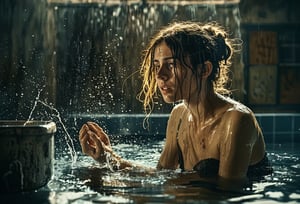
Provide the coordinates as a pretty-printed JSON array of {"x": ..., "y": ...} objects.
[{"x": 192, "y": 44}]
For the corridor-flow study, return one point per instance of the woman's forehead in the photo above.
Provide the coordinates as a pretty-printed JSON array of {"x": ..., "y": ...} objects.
[{"x": 162, "y": 51}]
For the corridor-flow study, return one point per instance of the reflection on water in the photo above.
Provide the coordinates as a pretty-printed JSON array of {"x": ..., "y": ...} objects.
[
  {"x": 89, "y": 181},
  {"x": 86, "y": 181}
]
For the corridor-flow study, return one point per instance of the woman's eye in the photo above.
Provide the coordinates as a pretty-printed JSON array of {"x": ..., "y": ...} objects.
[
  {"x": 171, "y": 65},
  {"x": 156, "y": 67},
  {"x": 165, "y": 66}
]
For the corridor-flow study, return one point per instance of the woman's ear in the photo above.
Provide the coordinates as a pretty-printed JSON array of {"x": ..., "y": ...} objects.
[{"x": 207, "y": 69}]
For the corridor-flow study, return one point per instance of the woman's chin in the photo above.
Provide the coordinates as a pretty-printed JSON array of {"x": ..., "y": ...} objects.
[{"x": 168, "y": 99}]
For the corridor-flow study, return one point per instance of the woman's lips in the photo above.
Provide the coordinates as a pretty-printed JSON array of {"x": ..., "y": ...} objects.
[{"x": 165, "y": 89}]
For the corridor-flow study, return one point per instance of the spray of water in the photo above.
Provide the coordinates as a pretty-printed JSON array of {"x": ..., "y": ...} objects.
[
  {"x": 68, "y": 137},
  {"x": 56, "y": 114},
  {"x": 34, "y": 106}
]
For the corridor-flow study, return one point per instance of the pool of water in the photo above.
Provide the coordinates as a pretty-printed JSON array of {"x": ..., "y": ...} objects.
[{"x": 85, "y": 181}]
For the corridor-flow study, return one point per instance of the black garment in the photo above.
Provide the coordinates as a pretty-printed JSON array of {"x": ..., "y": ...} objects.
[{"x": 210, "y": 168}]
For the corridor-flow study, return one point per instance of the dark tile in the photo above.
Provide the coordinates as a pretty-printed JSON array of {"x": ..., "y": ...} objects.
[
  {"x": 266, "y": 123},
  {"x": 297, "y": 138},
  {"x": 283, "y": 138},
  {"x": 269, "y": 138},
  {"x": 297, "y": 124},
  {"x": 283, "y": 123}
]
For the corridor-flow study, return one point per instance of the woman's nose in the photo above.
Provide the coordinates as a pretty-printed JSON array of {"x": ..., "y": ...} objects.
[{"x": 162, "y": 73}]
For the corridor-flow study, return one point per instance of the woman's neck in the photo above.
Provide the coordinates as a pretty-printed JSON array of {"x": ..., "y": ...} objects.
[{"x": 204, "y": 108}]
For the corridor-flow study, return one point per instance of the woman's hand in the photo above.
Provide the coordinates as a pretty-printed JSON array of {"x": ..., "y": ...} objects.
[{"x": 94, "y": 141}]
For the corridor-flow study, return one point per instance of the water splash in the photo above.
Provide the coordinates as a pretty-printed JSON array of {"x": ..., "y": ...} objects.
[
  {"x": 34, "y": 106},
  {"x": 56, "y": 114},
  {"x": 68, "y": 137}
]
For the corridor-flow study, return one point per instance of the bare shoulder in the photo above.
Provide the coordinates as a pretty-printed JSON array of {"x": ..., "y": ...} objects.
[
  {"x": 238, "y": 112},
  {"x": 175, "y": 116},
  {"x": 239, "y": 136},
  {"x": 242, "y": 142},
  {"x": 178, "y": 110},
  {"x": 241, "y": 121}
]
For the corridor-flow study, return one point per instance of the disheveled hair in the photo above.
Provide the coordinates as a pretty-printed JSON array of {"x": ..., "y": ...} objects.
[{"x": 197, "y": 42}]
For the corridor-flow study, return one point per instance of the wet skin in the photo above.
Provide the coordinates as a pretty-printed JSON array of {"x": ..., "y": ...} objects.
[
  {"x": 95, "y": 143},
  {"x": 212, "y": 126}
]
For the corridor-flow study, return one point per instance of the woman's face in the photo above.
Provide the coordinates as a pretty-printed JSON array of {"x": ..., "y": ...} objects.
[{"x": 174, "y": 83}]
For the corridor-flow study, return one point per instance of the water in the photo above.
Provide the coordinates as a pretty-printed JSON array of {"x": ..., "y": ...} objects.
[
  {"x": 88, "y": 182},
  {"x": 93, "y": 54},
  {"x": 68, "y": 138},
  {"x": 34, "y": 106},
  {"x": 54, "y": 114},
  {"x": 79, "y": 179},
  {"x": 82, "y": 54},
  {"x": 90, "y": 179}
]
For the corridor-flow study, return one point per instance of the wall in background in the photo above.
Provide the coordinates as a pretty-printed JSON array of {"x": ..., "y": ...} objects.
[
  {"x": 271, "y": 31},
  {"x": 84, "y": 58}
]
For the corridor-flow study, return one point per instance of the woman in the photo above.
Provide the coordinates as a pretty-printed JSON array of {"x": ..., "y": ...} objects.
[{"x": 206, "y": 132}]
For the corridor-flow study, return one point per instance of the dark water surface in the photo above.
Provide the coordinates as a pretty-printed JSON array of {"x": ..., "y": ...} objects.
[{"x": 85, "y": 181}]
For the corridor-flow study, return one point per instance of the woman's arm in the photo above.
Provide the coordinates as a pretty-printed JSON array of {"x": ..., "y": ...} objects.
[
  {"x": 95, "y": 143},
  {"x": 169, "y": 156},
  {"x": 240, "y": 134}
]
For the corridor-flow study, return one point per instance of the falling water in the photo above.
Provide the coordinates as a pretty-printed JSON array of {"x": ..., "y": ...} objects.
[
  {"x": 34, "y": 106},
  {"x": 89, "y": 54},
  {"x": 104, "y": 45},
  {"x": 85, "y": 51},
  {"x": 56, "y": 114},
  {"x": 68, "y": 138}
]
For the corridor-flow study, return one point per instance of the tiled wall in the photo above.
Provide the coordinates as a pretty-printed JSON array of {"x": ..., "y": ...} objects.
[
  {"x": 277, "y": 128},
  {"x": 280, "y": 127}
]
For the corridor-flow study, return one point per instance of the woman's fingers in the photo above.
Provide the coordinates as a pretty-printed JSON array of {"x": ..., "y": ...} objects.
[
  {"x": 94, "y": 141},
  {"x": 85, "y": 146},
  {"x": 95, "y": 128},
  {"x": 83, "y": 131},
  {"x": 99, "y": 132},
  {"x": 98, "y": 149},
  {"x": 91, "y": 145}
]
